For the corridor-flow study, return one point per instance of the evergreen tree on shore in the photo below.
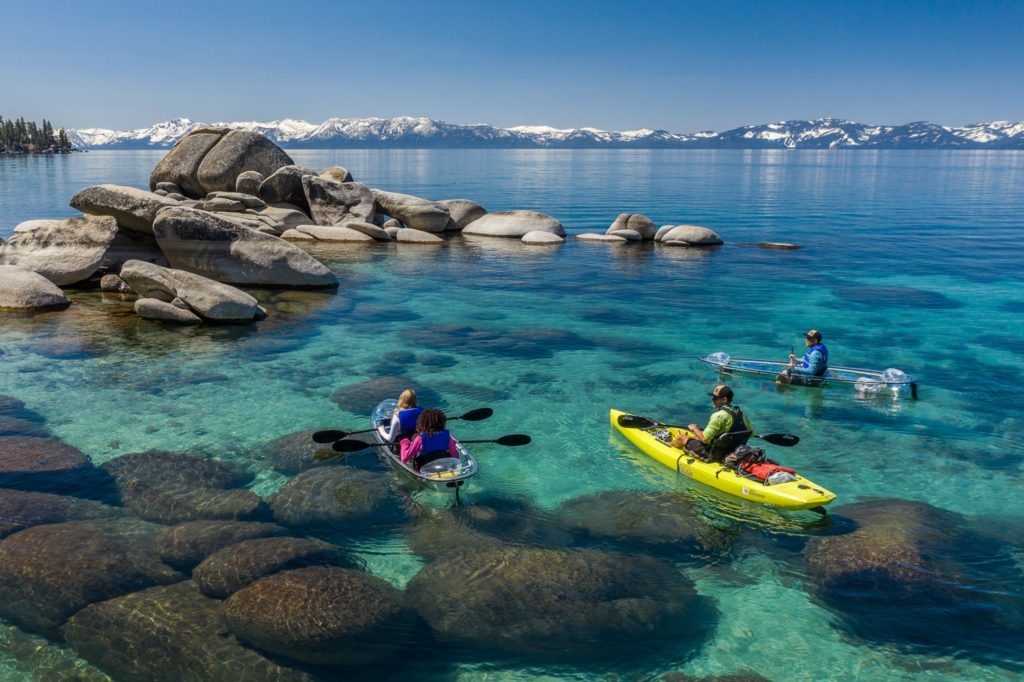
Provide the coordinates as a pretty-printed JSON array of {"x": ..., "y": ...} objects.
[{"x": 20, "y": 137}]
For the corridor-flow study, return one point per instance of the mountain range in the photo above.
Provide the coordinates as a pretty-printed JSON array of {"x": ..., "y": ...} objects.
[{"x": 411, "y": 133}]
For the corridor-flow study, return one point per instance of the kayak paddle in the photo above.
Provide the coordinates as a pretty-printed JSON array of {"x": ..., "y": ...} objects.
[
  {"x": 331, "y": 435},
  {"x": 511, "y": 440},
  {"x": 633, "y": 421},
  {"x": 346, "y": 446}
]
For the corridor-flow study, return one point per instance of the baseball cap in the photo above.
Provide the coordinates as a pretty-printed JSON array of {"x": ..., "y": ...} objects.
[
  {"x": 813, "y": 334},
  {"x": 721, "y": 391}
]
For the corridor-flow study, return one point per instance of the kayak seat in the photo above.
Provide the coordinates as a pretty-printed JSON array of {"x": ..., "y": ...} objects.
[
  {"x": 727, "y": 443},
  {"x": 428, "y": 457}
]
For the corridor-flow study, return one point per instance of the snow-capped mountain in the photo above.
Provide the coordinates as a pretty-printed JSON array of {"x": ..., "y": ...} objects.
[{"x": 409, "y": 132}]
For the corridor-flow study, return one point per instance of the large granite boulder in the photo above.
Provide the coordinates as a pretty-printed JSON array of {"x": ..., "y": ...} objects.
[
  {"x": 181, "y": 165},
  {"x": 149, "y": 280},
  {"x": 49, "y": 572},
  {"x": 215, "y": 301},
  {"x": 155, "y": 309},
  {"x": 230, "y": 569},
  {"x": 462, "y": 212},
  {"x": 133, "y": 209},
  {"x": 63, "y": 251},
  {"x": 336, "y": 174},
  {"x": 331, "y": 203},
  {"x": 22, "y": 289},
  {"x": 210, "y": 246},
  {"x": 23, "y": 509},
  {"x": 285, "y": 184},
  {"x": 554, "y": 603},
  {"x": 320, "y": 615},
  {"x": 236, "y": 152},
  {"x": 513, "y": 224},
  {"x": 39, "y": 463},
  {"x": 186, "y": 544},
  {"x": 168, "y": 634},
  {"x": 414, "y": 212},
  {"x": 332, "y": 233},
  {"x": 636, "y": 222},
  {"x": 690, "y": 235}
]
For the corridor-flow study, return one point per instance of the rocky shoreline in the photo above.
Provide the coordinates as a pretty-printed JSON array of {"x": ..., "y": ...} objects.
[{"x": 228, "y": 209}]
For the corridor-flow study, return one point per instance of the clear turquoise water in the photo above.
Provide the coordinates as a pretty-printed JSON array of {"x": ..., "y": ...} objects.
[{"x": 910, "y": 260}]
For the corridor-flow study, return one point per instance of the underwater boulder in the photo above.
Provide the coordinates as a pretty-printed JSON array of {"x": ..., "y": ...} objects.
[
  {"x": 186, "y": 544},
  {"x": 40, "y": 463},
  {"x": 23, "y": 509},
  {"x": 555, "y": 603},
  {"x": 49, "y": 572},
  {"x": 320, "y": 615},
  {"x": 330, "y": 502},
  {"x": 295, "y": 452},
  {"x": 230, "y": 569},
  {"x": 168, "y": 634},
  {"x": 654, "y": 520}
]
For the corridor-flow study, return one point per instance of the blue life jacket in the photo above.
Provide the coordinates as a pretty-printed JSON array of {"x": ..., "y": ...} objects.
[
  {"x": 824, "y": 354},
  {"x": 435, "y": 443},
  {"x": 407, "y": 419}
]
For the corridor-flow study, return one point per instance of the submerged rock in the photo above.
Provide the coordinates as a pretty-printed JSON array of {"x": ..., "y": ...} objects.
[
  {"x": 594, "y": 237},
  {"x": 12, "y": 426},
  {"x": 542, "y": 238},
  {"x": 22, "y": 289},
  {"x": 414, "y": 236},
  {"x": 48, "y": 572},
  {"x": 168, "y": 634},
  {"x": 230, "y": 569},
  {"x": 336, "y": 501},
  {"x": 22, "y": 509},
  {"x": 133, "y": 209},
  {"x": 319, "y": 615},
  {"x": 186, "y": 544},
  {"x": 39, "y": 463},
  {"x": 664, "y": 521},
  {"x": 554, "y": 603},
  {"x": 63, "y": 251},
  {"x": 296, "y": 452}
]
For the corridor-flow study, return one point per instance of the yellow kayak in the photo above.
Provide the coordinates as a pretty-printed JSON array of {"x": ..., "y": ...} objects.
[{"x": 799, "y": 494}]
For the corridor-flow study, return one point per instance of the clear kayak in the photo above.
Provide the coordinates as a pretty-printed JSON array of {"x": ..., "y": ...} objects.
[
  {"x": 799, "y": 493},
  {"x": 445, "y": 475},
  {"x": 867, "y": 381}
]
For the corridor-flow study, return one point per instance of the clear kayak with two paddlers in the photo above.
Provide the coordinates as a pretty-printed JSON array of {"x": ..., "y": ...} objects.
[
  {"x": 865, "y": 381},
  {"x": 753, "y": 478}
]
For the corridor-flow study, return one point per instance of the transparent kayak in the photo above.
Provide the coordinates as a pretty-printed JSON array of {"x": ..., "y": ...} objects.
[
  {"x": 445, "y": 475},
  {"x": 866, "y": 381}
]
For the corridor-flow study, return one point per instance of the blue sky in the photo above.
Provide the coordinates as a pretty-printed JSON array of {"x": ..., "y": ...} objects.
[{"x": 680, "y": 66}]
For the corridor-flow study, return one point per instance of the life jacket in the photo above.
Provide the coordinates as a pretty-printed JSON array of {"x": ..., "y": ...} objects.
[
  {"x": 762, "y": 470},
  {"x": 824, "y": 354},
  {"x": 407, "y": 419},
  {"x": 437, "y": 442},
  {"x": 737, "y": 435}
]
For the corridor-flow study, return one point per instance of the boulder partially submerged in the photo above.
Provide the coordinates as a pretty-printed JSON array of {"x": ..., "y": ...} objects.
[
  {"x": 513, "y": 224},
  {"x": 63, "y": 251},
  {"x": 22, "y": 289}
]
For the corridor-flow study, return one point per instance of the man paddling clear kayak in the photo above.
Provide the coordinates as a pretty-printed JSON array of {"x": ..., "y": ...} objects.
[
  {"x": 727, "y": 429},
  {"x": 813, "y": 365}
]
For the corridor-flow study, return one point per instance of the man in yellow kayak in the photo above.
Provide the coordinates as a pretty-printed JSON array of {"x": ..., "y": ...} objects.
[{"x": 727, "y": 429}]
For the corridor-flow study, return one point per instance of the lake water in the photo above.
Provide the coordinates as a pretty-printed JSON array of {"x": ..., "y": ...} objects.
[{"x": 912, "y": 260}]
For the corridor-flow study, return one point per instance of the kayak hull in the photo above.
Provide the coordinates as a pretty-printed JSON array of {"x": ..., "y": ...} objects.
[
  {"x": 449, "y": 479},
  {"x": 799, "y": 494},
  {"x": 864, "y": 380}
]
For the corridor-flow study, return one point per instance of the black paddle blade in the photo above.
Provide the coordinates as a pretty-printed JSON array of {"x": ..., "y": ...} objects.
[
  {"x": 328, "y": 436},
  {"x": 349, "y": 446},
  {"x": 632, "y": 421},
  {"x": 786, "y": 440},
  {"x": 514, "y": 439},
  {"x": 476, "y": 415}
]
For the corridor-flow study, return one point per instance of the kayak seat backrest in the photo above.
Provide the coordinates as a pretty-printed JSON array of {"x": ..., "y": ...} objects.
[{"x": 727, "y": 443}]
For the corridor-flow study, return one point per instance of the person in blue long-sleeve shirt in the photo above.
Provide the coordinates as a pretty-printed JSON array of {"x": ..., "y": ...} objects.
[{"x": 813, "y": 365}]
